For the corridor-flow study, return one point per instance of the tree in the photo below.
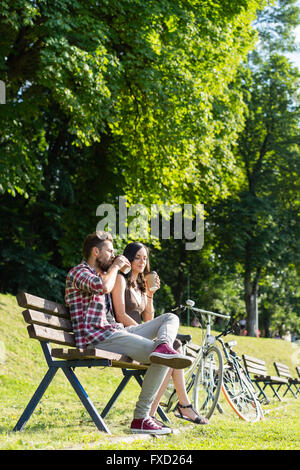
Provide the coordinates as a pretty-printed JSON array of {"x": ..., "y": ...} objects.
[
  {"x": 153, "y": 76},
  {"x": 280, "y": 303},
  {"x": 109, "y": 98},
  {"x": 257, "y": 228}
]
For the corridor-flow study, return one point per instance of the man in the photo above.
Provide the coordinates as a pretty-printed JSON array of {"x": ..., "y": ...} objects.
[{"x": 88, "y": 288}]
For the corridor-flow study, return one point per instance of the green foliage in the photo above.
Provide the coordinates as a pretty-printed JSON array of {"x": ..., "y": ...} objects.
[
  {"x": 149, "y": 99},
  {"x": 255, "y": 229},
  {"x": 275, "y": 25},
  {"x": 28, "y": 256},
  {"x": 154, "y": 76},
  {"x": 109, "y": 98},
  {"x": 279, "y": 303},
  {"x": 28, "y": 271}
]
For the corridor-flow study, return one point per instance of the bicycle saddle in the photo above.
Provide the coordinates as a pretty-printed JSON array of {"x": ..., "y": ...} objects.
[{"x": 184, "y": 338}]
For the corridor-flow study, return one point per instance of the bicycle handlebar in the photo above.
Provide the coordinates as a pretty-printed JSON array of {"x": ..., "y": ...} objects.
[
  {"x": 190, "y": 304},
  {"x": 207, "y": 312},
  {"x": 229, "y": 328}
]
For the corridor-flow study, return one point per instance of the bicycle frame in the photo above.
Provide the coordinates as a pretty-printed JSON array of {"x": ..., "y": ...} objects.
[
  {"x": 244, "y": 400},
  {"x": 233, "y": 361},
  {"x": 208, "y": 340},
  {"x": 231, "y": 358},
  {"x": 209, "y": 315}
]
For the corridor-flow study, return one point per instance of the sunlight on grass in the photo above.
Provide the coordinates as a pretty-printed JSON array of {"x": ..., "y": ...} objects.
[{"x": 61, "y": 422}]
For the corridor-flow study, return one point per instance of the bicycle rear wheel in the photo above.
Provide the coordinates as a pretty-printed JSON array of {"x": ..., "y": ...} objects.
[
  {"x": 208, "y": 382},
  {"x": 240, "y": 394}
]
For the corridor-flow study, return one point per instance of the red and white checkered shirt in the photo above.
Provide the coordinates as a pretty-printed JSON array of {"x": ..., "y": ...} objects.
[{"x": 89, "y": 307}]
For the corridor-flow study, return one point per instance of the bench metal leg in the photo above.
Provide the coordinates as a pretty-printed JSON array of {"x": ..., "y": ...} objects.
[
  {"x": 127, "y": 376},
  {"x": 35, "y": 399},
  {"x": 86, "y": 401},
  {"x": 116, "y": 395},
  {"x": 274, "y": 391},
  {"x": 261, "y": 392},
  {"x": 292, "y": 391},
  {"x": 289, "y": 388}
]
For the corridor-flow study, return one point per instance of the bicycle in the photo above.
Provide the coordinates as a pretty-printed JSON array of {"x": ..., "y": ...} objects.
[
  {"x": 210, "y": 374},
  {"x": 204, "y": 376},
  {"x": 237, "y": 386}
]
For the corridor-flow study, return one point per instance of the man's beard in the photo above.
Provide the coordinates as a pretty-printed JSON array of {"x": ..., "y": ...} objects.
[{"x": 104, "y": 266}]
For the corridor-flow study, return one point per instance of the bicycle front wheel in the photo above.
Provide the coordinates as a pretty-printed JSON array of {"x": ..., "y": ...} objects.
[
  {"x": 240, "y": 394},
  {"x": 208, "y": 382}
]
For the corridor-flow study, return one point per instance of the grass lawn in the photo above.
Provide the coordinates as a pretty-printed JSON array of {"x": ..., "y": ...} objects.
[{"x": 61, "y": 422}]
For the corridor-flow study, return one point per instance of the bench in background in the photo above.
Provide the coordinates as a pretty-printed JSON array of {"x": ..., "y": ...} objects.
[
  {"x": 283, "y": 370},
  {"x": 256, "y": 369}
]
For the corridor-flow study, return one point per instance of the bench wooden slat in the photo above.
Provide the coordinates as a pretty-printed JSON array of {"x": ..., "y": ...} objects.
[
  {"x": 94, "y": 353},
  {"x": 258, "y": 368},
  {"x": 128, "y": 365},
  {"x": 281, "y": 380},
  {"x": 44, "y": 333},
  {"x": 283, "y": 370},
  {"x": 191, "y": 353},
  {"x": 33, "y": 302},
  {"x": 255, "y": 366},
  {"x": 282, "y": 366},
  {"x": 45, "y": 319},
  {"x": 89, "y": 353},
  {"x": 254, "y": 360},
  {"x": 283, "y": 373},
  {"x": 193, "y": 346}
]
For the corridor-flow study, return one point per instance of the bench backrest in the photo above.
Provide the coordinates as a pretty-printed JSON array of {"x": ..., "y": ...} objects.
[
  {"x": 48, "y": 321},
  {"x": 255, "y": 366},
  {"x": 282, "y": 370}
]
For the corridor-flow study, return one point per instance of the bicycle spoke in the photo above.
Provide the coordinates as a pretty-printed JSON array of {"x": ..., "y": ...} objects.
[
  {"x": 240, "y": 395},
  {"x": 208, "y": 382}
]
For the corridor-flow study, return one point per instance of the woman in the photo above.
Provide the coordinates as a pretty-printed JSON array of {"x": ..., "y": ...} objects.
[{"x": 133, "y": 302}]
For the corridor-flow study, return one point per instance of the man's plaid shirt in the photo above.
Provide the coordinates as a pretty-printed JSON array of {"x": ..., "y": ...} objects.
[{"x": 89, "y": 306}]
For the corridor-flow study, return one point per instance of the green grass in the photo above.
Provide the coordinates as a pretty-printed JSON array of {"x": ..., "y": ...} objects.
[{"x": 61, "y": 422}]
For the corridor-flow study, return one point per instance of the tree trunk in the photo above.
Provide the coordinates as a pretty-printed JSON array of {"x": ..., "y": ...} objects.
[
  {"x": 179, "y": 287},
  {"x": 251, "y": 293}
]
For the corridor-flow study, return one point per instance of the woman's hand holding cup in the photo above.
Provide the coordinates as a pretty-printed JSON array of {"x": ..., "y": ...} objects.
[{"x": 152, "y": 282}]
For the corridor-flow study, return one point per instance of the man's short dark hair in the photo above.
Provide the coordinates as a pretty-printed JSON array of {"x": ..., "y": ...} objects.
[{"x": 94, "y": 239}]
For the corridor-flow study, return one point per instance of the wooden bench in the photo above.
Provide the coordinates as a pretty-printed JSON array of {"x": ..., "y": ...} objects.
[
  {"x": 283, "y": 370},
  {"x": 257, "y": 371},
  {"x": 50, "y": 322}
]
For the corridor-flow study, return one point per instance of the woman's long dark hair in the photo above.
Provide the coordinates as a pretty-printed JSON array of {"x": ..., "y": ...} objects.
[{"x": 130, "y": 251}]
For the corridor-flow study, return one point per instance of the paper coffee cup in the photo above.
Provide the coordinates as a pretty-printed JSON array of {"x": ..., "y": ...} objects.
[
  {"x": 151, "y": 280},
  {"x": 126, "y": 269}
]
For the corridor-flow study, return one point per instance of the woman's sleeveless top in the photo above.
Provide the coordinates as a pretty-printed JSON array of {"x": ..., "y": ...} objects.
[{"x": 135, "y": 304}]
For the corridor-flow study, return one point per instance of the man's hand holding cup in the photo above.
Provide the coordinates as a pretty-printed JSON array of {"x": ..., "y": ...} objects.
[{"x": 123, "y": 264}]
